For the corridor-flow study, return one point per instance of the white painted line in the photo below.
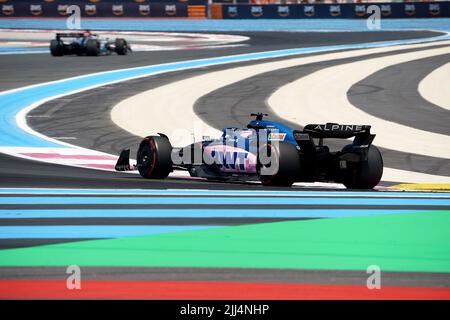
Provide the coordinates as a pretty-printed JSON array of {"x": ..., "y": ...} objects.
[
  {"x": 395, "y": 175},
  {"x": 23, "y": 52},
  {"x": 82, "y": 158},
  {"x": 435, "y": 87},
  {"x": 77, "y": 157}
]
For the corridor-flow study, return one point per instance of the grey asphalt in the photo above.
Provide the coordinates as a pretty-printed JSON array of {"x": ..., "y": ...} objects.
[
  {"x": 359, "y": 277},
  {"x": 21, "y": 173},
  {"x": 21, "y": 70},
  {"x": 392, "y": 94}
]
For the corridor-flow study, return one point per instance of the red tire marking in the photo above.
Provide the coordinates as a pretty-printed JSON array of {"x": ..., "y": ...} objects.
[{"x": 118, "y": 289}]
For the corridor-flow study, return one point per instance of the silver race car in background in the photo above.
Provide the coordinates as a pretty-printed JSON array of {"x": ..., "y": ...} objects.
[{"x": 86, "y": 43}]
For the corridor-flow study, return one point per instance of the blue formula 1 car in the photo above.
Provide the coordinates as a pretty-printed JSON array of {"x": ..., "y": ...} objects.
[
  {"x": 269, "y": 152},
  {"x": 87, "y": 44}
]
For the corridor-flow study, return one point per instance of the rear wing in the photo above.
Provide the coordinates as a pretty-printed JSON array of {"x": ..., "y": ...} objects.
[
  {"x": 72, "y": 35},
  {"x": 334, "y": 130},
  {"x": 362, "y": 134},
  {"x": 69, "y": 35}
]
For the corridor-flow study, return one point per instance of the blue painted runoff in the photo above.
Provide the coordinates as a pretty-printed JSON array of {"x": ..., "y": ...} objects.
[
  {"x": 442, "y": 24},
  {"x": 185, "y": 200},
  {"x": 89, "y": 232},
  {"x": 191, "y": 213}
]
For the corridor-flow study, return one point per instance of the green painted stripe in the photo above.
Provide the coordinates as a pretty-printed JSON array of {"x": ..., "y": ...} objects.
[{"x": 403, "y": 242}]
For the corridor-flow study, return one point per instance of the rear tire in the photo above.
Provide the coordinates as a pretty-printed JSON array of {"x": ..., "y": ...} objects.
[
  {"x": 92, "y": 47},
  {"x": 121, "y": 47},
  {"x": 56, "y": 49},
  {"x": 287, "y": 160},
  {"x": 369, "y": 173},
  {"x": 154, "y": 157}
]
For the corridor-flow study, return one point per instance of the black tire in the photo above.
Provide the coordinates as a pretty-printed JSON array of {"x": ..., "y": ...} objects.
[
  {"x": 369, "y": 173},
  {"x": 56, "y": 49},
  {"x": 154, "y": 157},
  {"x": 92, "y": 47},
  {"x": 287, "y": 161},
  {"x": 121, "y": 46}
]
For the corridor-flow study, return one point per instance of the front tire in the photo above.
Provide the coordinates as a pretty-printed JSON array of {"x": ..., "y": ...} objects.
[
  {"x": 368, "y": 174},
  {"x": 121, "y": 47},
  {"x": 154, "y": 157}
]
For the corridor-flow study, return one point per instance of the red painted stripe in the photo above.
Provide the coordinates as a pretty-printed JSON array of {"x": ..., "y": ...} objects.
[
  {"x": 210, "y": 290},
  {"x": 69, "y": 156}
]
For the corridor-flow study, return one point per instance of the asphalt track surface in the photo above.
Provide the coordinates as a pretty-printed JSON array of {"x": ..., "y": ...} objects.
[
  {"x": 93, "y": 127},
  {"x": 231, "y": 105},
  {"x": 90, "y": 123},
  {"x": 398, "y": 97},
  {"x": 230, "y": 274},
  {"x": 41, "y": 67}
]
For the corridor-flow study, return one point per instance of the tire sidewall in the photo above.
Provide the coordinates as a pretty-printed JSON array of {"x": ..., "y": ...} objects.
[
  {"x": 159, "y": 163},
  {"x": 121, "y": 46},
  {"x": 369, "y": 173},
  {"x": 56, "y": 49}
]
